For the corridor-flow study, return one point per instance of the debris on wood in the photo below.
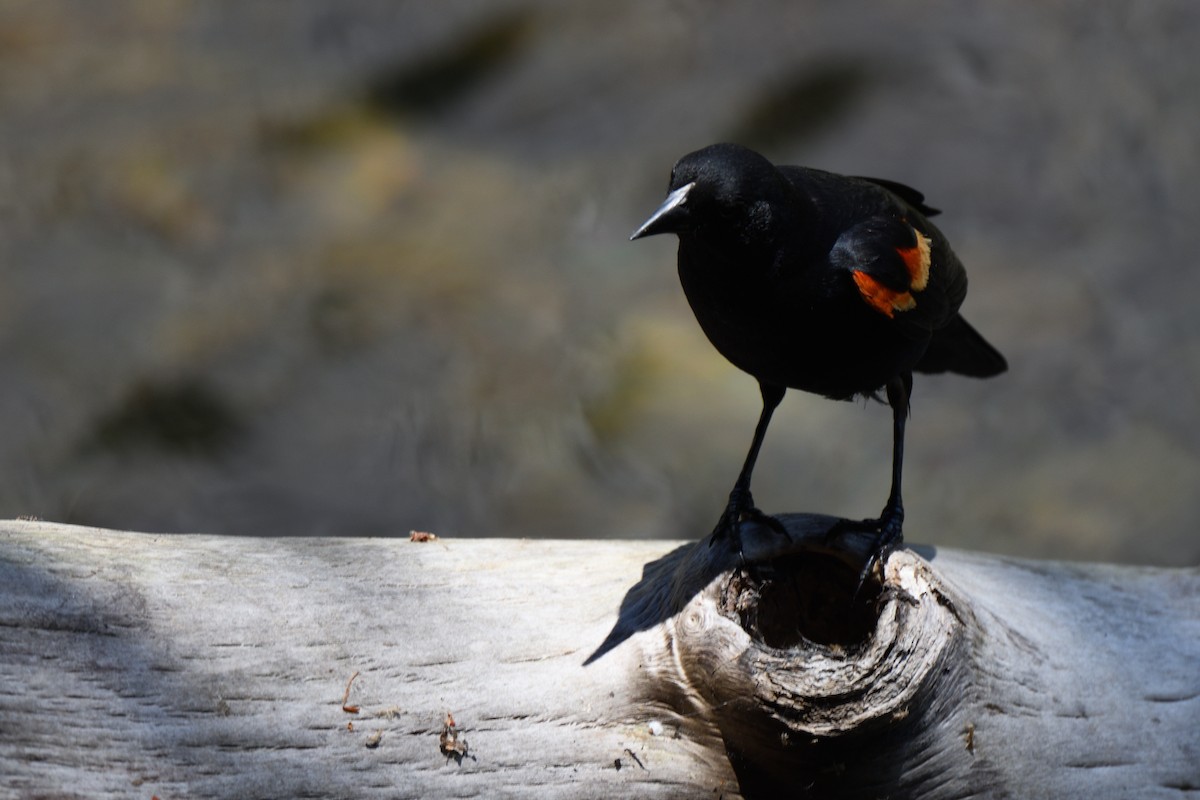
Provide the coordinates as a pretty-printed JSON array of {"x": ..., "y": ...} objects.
[
  {"x": 391, "y": 712},
  {"x": 451, "y": 742}
]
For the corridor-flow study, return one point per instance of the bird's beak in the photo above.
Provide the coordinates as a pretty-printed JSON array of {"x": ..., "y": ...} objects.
[{"x": 669, "y": 216}]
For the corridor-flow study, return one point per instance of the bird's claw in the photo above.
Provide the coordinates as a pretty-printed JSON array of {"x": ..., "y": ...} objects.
[
  {"x": 889, "y": 536},
  {"x": 741, "y": 509}
]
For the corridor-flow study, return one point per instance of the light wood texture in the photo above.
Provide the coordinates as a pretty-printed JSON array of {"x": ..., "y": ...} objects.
[{"x": 207, "y": 666}]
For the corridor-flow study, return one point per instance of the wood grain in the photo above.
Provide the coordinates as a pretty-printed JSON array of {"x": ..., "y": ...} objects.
[{"x": 137, "y": 665}]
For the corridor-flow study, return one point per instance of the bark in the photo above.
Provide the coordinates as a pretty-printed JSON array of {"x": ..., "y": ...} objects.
[{"x": 208, "y": 666}]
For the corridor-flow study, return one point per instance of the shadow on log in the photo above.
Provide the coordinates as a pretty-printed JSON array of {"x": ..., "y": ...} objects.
[{"x": 212, "y": 666}]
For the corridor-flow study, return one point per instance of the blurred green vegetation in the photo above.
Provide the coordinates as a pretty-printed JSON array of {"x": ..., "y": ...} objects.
[
  {"x": 804, "y": 103},
  {"x": 429, "y": 85},
  {"x": 361, "y": 267},
  {"x": 185, "y": 417}
]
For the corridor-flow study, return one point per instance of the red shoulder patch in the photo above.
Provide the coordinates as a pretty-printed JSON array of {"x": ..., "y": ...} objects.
[
  {"x": 881, "y": 298},
  {"x": 916, "y": 260}
]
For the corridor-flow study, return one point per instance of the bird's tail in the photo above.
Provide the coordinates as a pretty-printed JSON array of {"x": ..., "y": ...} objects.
[{"x": 958, "y": 347}]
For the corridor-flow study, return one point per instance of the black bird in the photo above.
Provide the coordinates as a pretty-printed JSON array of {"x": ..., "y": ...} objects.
[{"x": 810, "y": 280}]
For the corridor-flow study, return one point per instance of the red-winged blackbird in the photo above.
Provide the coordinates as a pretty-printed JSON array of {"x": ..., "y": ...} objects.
[{"x": 830, "y": 284}]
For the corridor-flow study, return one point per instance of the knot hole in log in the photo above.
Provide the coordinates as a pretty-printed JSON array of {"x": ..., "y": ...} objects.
[
  {"x": 817, "y": 691},
  {"x": 799, "y": 598}
]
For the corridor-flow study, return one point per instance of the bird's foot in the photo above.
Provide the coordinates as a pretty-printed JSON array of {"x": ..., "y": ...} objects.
[
  {"x": 741, "y": 509},
  {"x": 889, "y": 536}
]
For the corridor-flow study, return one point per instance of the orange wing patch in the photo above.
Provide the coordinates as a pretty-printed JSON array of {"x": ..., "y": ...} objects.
[
  {"x": 916, "y": 260},
  {"x": 881, "y": 298}
]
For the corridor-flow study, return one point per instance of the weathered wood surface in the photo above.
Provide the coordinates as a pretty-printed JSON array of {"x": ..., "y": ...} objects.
[{"x": 136, "y": 665}]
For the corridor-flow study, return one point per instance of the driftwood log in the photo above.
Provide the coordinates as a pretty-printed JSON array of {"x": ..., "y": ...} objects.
[{"x": 136, "y": 665}]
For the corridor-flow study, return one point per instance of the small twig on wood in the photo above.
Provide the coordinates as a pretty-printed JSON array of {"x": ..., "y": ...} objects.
[{"x": 349, "y": 709}]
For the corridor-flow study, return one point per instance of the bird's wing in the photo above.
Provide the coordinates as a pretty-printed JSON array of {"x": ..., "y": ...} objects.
[
  {"x": 901, "y": 272},
  {"x": 906, "y": 193}
]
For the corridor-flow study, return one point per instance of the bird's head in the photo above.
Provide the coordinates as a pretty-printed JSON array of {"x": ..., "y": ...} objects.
[{"x": 724, "y": 189}]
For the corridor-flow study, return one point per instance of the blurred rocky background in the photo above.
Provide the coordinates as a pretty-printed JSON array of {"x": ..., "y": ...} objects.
[{"x": 353, "y": 267}]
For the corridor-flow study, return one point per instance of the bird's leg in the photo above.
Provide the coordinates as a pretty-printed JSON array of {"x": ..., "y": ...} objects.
[
  {"x": 891, "y": 521},
  {"x": 889, "y": 527},
  {"x": 741, "y": 502}
]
